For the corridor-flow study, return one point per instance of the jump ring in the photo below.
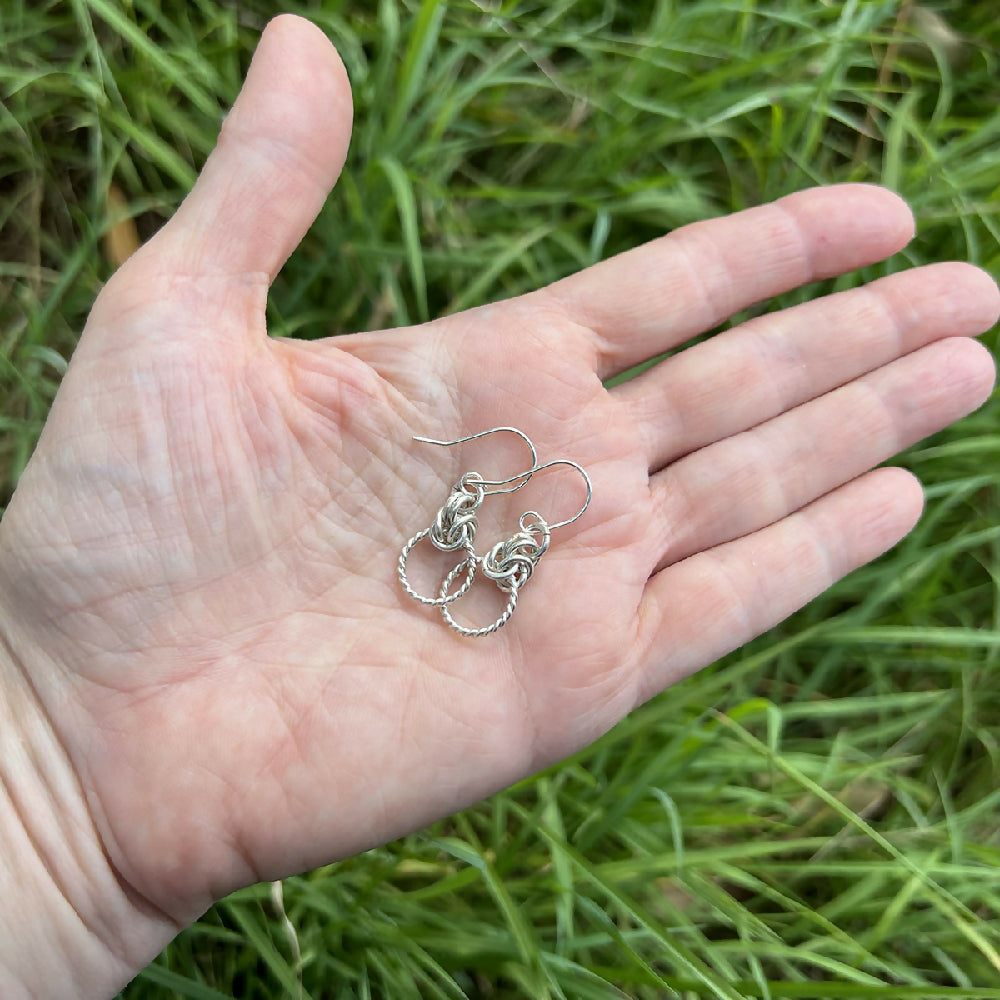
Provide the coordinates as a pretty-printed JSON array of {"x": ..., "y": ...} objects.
[
  {"x": 443, "y": 597},
  {"x": 474, "y": 633}
]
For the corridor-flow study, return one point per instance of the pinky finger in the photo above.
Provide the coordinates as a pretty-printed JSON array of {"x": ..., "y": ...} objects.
[{"x": 710, "y": 603}]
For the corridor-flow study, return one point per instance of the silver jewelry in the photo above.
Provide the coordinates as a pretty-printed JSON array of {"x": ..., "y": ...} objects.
[
  {"x": 453, "y": 528},
  {"x": 456, "y": 522},
  {"x": 511, "y": 562}
]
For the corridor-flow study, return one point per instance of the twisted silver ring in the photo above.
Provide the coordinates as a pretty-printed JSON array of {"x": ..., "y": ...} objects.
[
  {"x": 443, "y": 597},
  {"x": 474, "y": 633}
]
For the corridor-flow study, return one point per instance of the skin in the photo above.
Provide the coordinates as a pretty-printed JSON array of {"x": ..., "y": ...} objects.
[{"x": 211, "y": 675}]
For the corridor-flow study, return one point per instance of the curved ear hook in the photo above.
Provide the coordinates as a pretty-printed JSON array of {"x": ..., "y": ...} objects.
[
  {"x": 538, "y": 468},
  {"x": 497, "y": 482}
]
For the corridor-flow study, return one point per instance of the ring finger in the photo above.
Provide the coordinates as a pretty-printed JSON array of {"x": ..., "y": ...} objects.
[{"x": 752, "y": 479}]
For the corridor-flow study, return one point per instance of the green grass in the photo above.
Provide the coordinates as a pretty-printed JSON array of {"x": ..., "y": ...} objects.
[{"x": 816, "y": 815}]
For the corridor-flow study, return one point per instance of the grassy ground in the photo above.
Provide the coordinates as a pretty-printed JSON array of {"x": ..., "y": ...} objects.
[{"x": 815, "y": 816}]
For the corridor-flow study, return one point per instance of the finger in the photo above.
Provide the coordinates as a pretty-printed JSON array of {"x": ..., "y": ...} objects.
[
  {"x": 652, "y": 298},
  {"x": 737, "y": 486},
  {"x": 699, "y": 609},
  {"x": 773, "y": 363},
  {"x": 280, "y": 150}
]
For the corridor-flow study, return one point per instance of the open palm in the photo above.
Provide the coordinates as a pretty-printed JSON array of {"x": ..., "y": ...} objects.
[{"x": 201, "y": 556}]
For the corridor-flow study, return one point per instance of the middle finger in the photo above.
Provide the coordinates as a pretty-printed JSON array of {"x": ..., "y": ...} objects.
[{"x": 775, "y": 362}]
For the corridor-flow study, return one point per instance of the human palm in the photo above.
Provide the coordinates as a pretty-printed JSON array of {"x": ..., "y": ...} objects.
[{"x": 201, "y": 556}]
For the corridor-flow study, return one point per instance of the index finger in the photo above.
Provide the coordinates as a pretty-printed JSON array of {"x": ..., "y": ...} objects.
[{"x": 647, "y": 300}]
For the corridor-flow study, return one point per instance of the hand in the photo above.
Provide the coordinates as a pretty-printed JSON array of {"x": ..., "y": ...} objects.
[{"x": 199, "y": 565}]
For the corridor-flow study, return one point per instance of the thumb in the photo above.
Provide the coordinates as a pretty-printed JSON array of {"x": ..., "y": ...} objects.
[{"x": 279, "y": 153}]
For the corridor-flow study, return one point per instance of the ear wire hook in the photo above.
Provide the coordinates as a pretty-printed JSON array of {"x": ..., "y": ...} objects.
[
  {"x": 498, "y": 482},
  {"x": 538, "y": 468}
]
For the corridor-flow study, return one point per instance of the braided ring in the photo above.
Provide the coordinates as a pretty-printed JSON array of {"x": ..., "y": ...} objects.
[
  {"x": 444, "y": 597},
  {"x": 474, "y": 633}
]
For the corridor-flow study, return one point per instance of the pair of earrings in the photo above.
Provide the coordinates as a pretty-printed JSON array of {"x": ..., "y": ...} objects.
[{"x": 511, "y": 561}]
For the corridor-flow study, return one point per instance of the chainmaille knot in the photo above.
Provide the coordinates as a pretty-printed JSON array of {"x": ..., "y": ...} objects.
[
  {"x": 455, "y": 525},
  {"x": 511, "y": 562}
]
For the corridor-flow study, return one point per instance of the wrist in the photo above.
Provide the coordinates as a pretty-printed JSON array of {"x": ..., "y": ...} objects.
[{"x": 67, "y": 921}]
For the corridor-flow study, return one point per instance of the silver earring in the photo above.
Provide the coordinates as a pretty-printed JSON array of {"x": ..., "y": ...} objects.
[
  {"x": 511, "y": 562},
  {"x": 456, "y": 522}
]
